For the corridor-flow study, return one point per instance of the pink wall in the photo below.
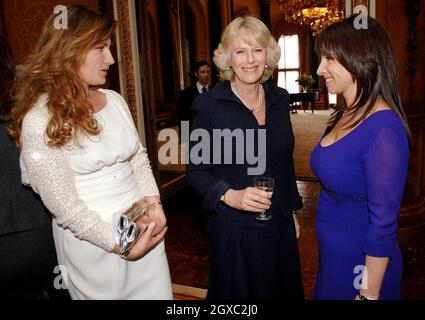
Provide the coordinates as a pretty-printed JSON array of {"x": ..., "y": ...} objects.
[{"x": 24, "y": 19}]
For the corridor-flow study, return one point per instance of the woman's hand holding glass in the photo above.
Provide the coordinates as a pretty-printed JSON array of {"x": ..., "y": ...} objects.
[
  {"x": 266, "y": 184},
  {"x": 248, "y": 199}
]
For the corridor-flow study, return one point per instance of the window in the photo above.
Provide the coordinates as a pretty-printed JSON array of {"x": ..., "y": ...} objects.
[{"x": 289, "y": 63}]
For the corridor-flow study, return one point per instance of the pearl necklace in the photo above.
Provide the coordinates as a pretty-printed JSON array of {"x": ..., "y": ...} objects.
[{"x": 260, "y": 98}]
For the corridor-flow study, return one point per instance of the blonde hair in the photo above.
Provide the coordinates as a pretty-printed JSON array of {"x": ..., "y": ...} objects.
[
  {"x": 53, "y": 68},
  {"x": 245, "y": 28}
]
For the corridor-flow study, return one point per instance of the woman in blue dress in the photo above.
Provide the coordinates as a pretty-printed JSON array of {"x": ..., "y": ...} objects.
[{"x": 362, "y": 163}]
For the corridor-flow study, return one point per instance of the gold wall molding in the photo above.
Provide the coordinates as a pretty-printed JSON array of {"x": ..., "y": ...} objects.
[
  {"x": 202, "y": 51},
  {"x": 128, "y": 60}
]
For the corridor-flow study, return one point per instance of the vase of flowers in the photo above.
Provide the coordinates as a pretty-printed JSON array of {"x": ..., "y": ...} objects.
[{"x": 305, "y": 81}]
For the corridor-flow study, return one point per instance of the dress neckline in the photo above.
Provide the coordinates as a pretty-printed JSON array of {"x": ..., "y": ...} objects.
[
  {"x": 351, "y": 132},
  {"x": 106, "y": 104}
]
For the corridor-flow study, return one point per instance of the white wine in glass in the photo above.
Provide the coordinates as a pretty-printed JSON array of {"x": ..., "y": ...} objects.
[{"x": 266, "y": 184}]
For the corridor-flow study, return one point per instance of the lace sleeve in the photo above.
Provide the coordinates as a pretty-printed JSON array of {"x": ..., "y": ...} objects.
[
  {"x": 386, "y": 172},
  {"x": 143, "y": 173},
  {"x": 47, "y": 171}
]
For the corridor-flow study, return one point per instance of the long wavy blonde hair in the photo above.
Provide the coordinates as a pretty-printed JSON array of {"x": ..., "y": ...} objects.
[{"x": 53, "y": 68}]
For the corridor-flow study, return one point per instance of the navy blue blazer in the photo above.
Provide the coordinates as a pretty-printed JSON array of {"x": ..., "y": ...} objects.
[{"x": 219, "y": 108}]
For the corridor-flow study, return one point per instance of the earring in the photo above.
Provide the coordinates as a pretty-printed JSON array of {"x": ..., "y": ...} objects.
[{"x": 266, "y": 66}]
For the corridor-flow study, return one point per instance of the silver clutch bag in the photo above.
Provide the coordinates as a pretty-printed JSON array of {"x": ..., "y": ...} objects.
[{"x": 128, "y": 229}]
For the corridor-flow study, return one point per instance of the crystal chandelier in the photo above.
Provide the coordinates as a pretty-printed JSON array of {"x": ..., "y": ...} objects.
[{"x": 314, "y": 14}]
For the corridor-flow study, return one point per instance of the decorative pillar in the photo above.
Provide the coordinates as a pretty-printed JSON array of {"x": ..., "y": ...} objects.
[
  {"x": 201, "y": 32},
  {"x": 125, "y": 59},
  {"x": 175, "y": 14},
  {"x": 137, "y": 92},
  {"x": 226, "y": 12}
]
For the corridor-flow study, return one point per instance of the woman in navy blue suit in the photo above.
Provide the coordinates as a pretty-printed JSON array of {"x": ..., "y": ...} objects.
[{"x": 247, "y": 120}]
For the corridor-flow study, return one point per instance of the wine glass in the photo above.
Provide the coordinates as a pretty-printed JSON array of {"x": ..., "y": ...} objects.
[{"x": 266, "y": 184}]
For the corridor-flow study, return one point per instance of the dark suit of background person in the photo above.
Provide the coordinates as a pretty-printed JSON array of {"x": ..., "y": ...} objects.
[
  {"x": 219, "y": 108},
  {"x": 201, "y": 73},
  {"x": 186, "y": 97},
  {"x": 27, "y": 252}
]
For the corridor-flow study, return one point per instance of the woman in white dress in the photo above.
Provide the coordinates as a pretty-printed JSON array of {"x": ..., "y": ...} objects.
[{"x": 81, "y": 152}]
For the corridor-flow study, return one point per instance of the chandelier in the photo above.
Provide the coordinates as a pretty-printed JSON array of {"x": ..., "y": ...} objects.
[{"x": 314, "y": 14}]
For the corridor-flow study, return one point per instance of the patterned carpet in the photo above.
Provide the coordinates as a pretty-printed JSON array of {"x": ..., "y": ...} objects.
[
  {"x": 186, "y": 240},
  {"x": 187, "y": 246}
]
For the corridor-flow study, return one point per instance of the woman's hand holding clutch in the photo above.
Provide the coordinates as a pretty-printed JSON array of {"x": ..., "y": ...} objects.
[
  {"x": 144, "y": 216},
  {"x": 146, "y": 241},
  {"x": 155, "y": 213}
]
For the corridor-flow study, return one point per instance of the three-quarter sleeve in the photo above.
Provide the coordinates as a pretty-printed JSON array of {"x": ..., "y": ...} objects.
[
  {"x": 199, "y": 175},
  {"x": 386, "y": 165},
  {"x": 48, "y": 172}
]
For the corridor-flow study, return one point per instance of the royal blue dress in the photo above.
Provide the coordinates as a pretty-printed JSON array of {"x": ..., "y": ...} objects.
[{"x": 362, "y": 178}]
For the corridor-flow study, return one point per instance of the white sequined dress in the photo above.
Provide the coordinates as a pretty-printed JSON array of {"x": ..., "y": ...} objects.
[{"x": 84, "y": 189}]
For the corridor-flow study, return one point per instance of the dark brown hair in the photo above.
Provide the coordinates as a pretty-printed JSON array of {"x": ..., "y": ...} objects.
[
  {"x": 368, "y": 55},
  {"x": 199, "y": 64}
]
